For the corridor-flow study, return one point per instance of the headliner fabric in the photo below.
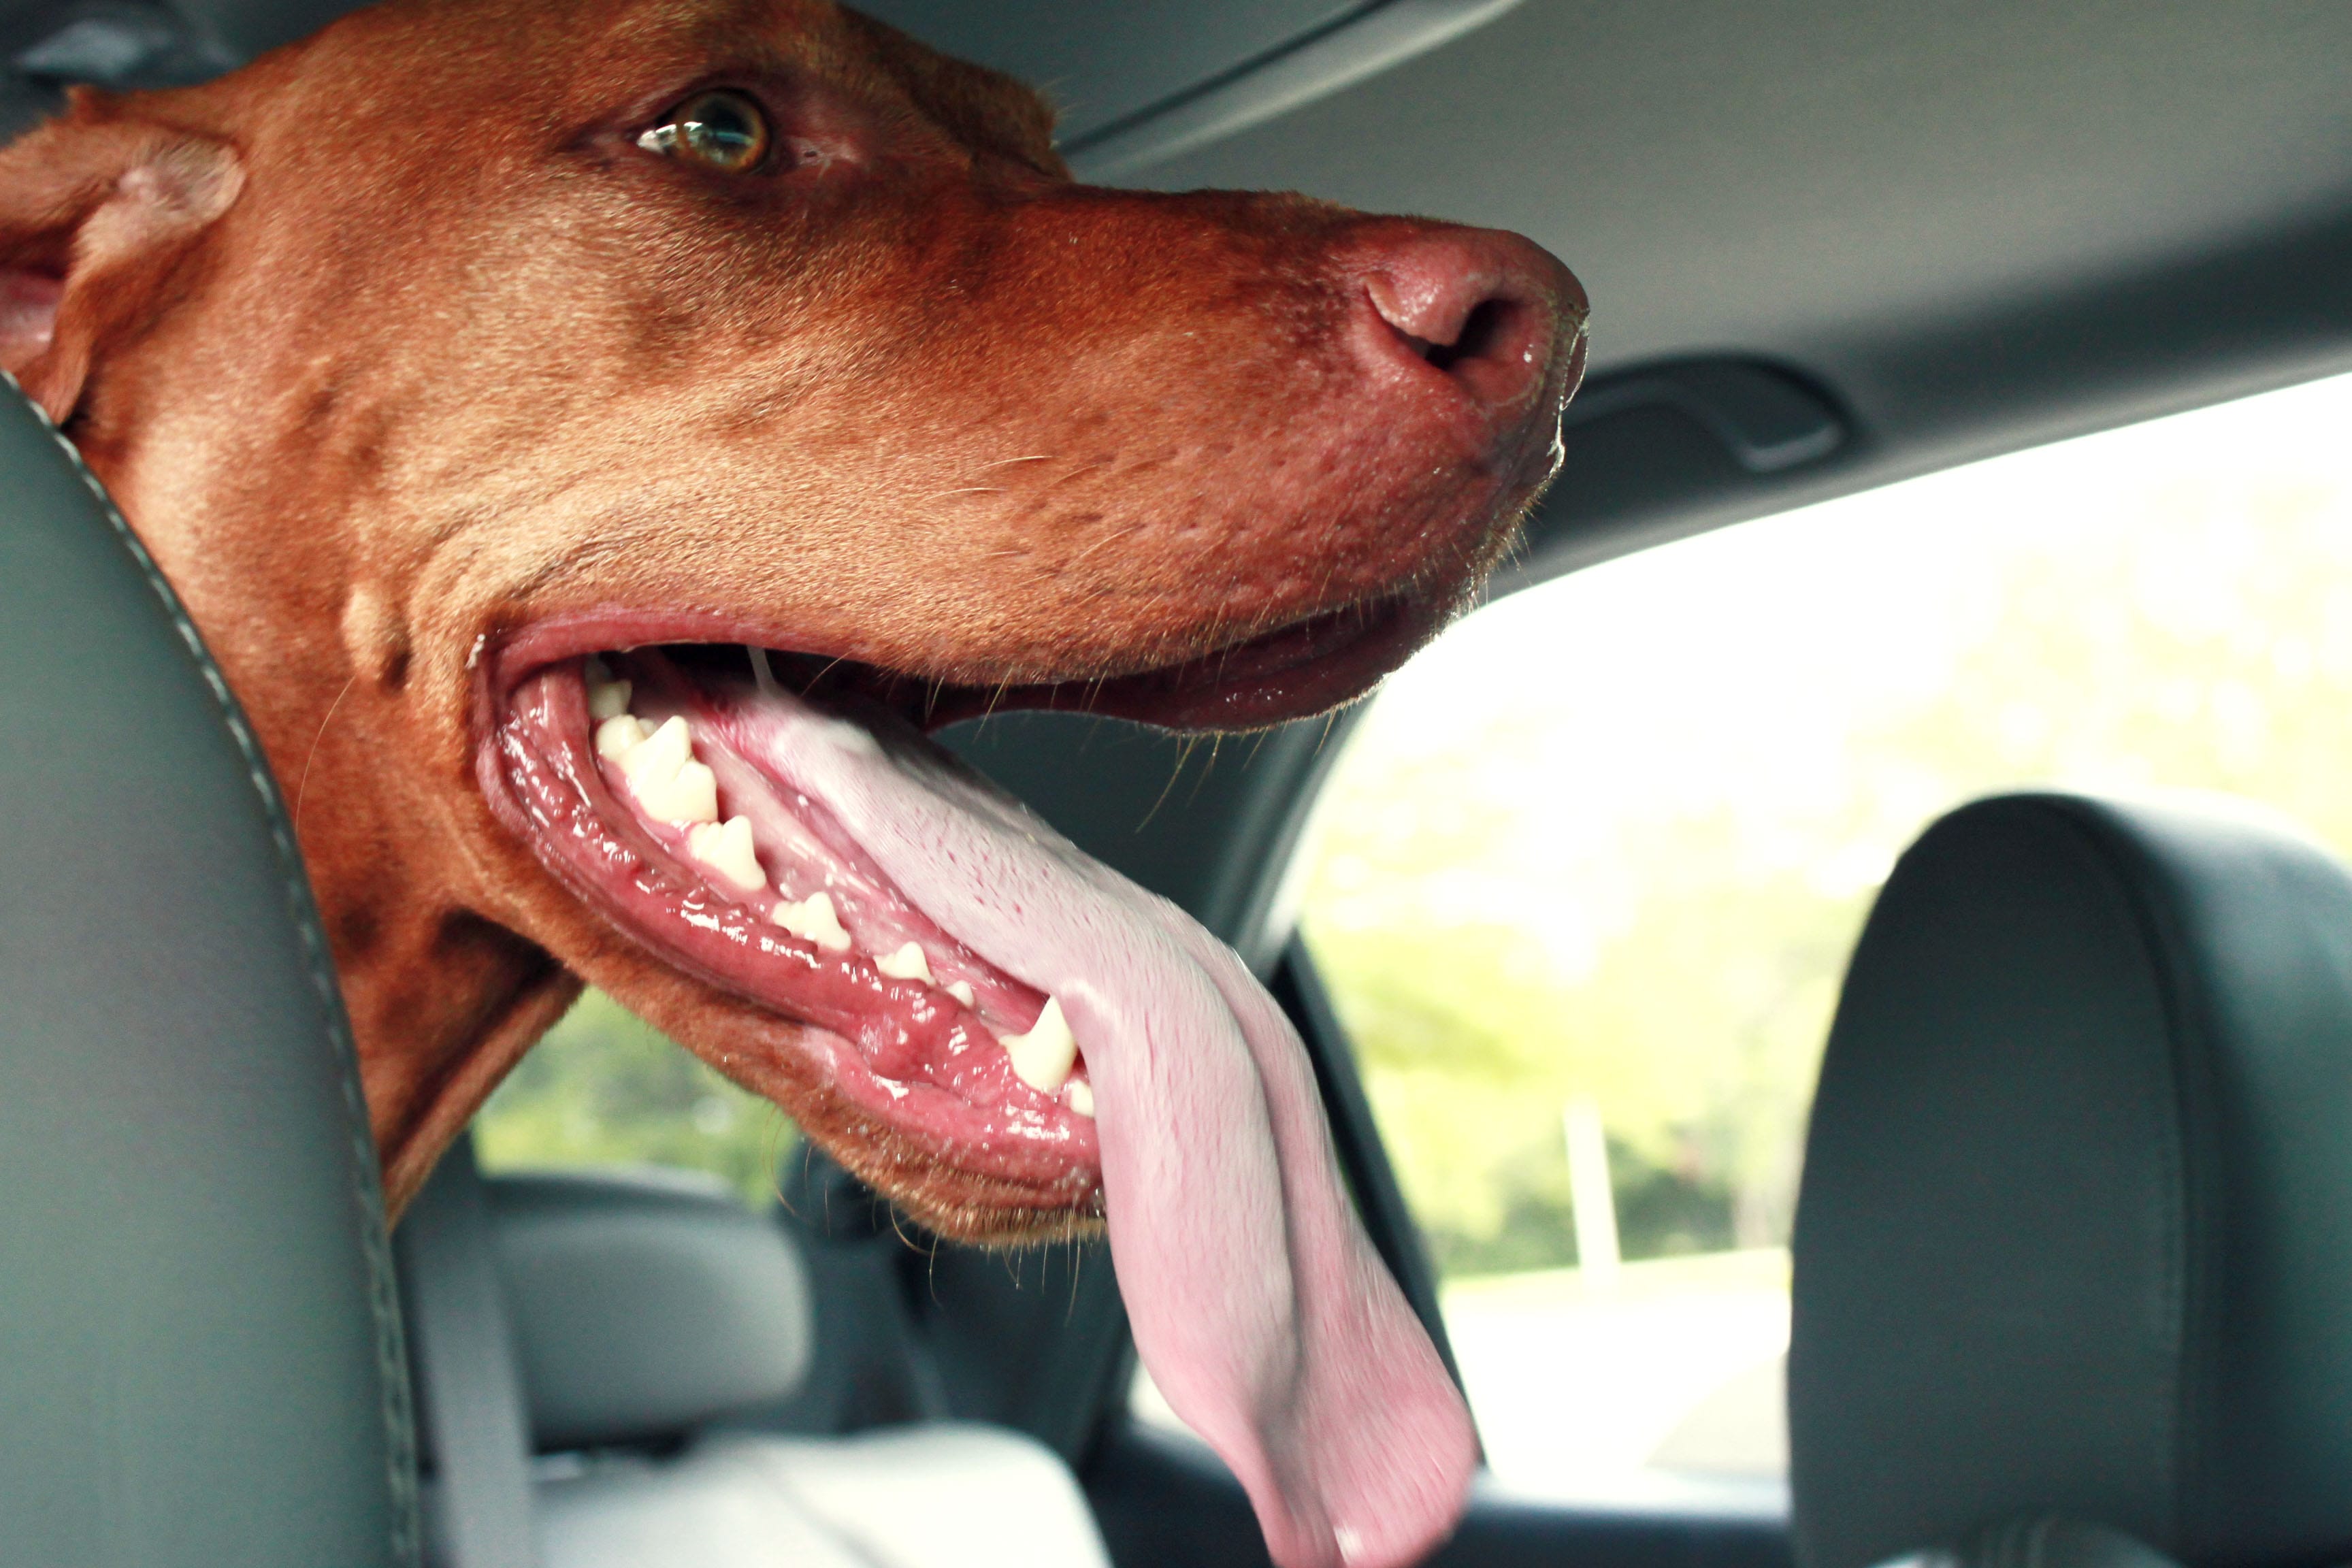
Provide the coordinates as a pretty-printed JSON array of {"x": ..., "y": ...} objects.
[
  {"x": 2076, "y": 1228},
  {"x": 200, "y": 1358}
]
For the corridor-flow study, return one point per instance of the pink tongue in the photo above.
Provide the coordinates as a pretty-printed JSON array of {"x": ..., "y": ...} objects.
[{"x": 1257, "y": 1302}]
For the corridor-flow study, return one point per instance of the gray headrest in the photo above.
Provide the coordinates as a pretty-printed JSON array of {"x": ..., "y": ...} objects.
[
  {"x": 2042, "y": 1542},
  {"x": 2076, "y": 1228},
  {"x": 644, "y": 1305},
  {"x": 200, "y": 1362}
]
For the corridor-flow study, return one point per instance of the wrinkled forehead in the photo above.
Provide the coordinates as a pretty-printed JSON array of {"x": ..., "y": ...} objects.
[{"x": 585, "y": 59}]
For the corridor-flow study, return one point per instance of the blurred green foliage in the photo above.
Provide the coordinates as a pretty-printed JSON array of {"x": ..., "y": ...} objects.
[
  {"x": 605, "y": 1088},
  {"x": 1618, "y": 836}
]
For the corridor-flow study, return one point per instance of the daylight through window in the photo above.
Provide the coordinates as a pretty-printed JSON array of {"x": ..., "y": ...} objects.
[{"x": 1586, "y": 879}]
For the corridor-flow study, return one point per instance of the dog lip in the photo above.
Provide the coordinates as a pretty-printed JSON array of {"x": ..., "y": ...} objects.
[{"x": 1301, "y": 667}]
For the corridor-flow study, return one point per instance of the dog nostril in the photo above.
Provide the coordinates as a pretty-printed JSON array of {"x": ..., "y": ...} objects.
[
  {"x": 1482, "y": 330},
  {"x": 1492, "y": 313}
]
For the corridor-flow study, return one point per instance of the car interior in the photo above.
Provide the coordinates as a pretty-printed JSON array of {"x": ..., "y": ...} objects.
[{"x": 2072, "y": 1245}]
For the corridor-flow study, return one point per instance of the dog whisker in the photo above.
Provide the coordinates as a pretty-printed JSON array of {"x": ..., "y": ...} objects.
[
  {"x": 302, "y": 788},
  {"x": 1079, "y": 472},
  {"x": 1112, "y": 537},
  {"x": 1184, "y": 745}
]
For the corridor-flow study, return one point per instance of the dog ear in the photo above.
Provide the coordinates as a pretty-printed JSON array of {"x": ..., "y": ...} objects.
[{"x": 95, "y": 211}]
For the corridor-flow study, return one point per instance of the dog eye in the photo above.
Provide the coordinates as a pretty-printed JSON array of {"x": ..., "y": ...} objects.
[{"x": 716, "y": 129}]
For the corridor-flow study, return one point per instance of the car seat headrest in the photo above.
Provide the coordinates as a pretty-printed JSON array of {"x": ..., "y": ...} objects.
[
  {"x": 200, "y": 1359},
  {"x": 2075, "y": 1232},
  {"x": 2039, "y": 1542},
  {"x": 646, "y": 1304}
]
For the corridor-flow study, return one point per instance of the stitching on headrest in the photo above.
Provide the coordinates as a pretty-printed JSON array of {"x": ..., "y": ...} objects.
[{"x": 367, "y": 1187}]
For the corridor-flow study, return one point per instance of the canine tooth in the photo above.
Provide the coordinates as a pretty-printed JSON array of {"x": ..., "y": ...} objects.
[
  {"x": 962, "y": 992},
  {"x": 726, "y": 848},
  {"x": 1043, "y": 1057},
  {"x": 1081, "y": 1097},
  {"x": 695, "y": 797},
  {"x": 618, "y": 733},
  {"x": 687, "y": 795},
  {"x": 812, "y": 920},
  {"x": 666, "y": 780},
  {"x": 610, "y": 698},
  {"x": 661, "y": 753},
  {"x": 909, "y": 963}
]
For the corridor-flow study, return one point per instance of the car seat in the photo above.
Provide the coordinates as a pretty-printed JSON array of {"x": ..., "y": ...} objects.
[
  {"x": 202, "y": 1354},
  {"x": 2076, "y": 1234},
  {"x": 650, "y": 1321},
  {"x": 200, "y": 1358}
]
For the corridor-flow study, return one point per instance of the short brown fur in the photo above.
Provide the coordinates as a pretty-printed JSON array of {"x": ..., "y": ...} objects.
[{"x": 395, "y": 348}]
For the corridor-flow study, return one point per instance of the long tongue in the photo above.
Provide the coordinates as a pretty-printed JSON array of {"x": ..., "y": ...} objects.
[{"x": 1257, "y": 1302}]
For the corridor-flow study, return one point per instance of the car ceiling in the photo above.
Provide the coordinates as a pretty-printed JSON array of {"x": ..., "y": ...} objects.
[{"x": 1974, "y": 225}]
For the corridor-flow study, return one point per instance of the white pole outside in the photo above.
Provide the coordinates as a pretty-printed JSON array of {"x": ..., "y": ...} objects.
[{"x": 1591, "y": 1197}]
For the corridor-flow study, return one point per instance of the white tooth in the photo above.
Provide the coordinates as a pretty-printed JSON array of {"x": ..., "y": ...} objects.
[
  {"x": 962, "y": 992},
  {"x": 1043, "y": 1057},
  {"x": 617, "y": 734},
  {"x": 662, "y": 752},
  {"x": 812, "y": 920},
  {"x": 666, "y": 780},
  {"x": 610, "y": 698},
  {"x": 696, "y": 796},
  {"x": 1081, "y": 1097},
  {"x": 689, "y": 795},
  {"x": 907, "y": 963},
  {"x": 726, "y": 848}
]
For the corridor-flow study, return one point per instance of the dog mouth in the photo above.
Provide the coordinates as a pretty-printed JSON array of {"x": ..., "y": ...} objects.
[
  {"x": 1006, "y": 1035},
  {"x": 682, "y": 791},
  {"x": 693, "y": 794}
]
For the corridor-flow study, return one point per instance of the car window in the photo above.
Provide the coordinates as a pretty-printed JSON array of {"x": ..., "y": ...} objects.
[
  {"x": 1583, "y": 884},
  {"x": 604, "y": 1089}
]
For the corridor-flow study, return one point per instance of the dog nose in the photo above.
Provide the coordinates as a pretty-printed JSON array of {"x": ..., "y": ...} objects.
[{"x": 1494, "y": 312}]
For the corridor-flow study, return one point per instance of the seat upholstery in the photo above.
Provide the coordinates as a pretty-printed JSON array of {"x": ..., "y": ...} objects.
[
  {"x": 2075, "y": 1233},
  {"x": 649, "y": 1310},
  {"x": 200, "y": 1361},
  {"x": 2039, "y": 1542},
  {"x": 646, "y": 1304},
  {"x": 940, "y": 1495}
]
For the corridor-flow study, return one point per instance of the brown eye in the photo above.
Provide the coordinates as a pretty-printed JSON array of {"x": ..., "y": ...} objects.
[{"x": 716, "y": 129}]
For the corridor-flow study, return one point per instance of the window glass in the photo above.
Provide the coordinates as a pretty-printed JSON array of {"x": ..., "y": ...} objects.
[
  {"x": 604, "y": 1089},
  {"x": 1584, "y": 883}
]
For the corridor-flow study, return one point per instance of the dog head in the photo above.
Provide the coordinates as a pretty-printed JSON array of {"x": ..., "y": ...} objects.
[{"x": 595, "y": 442}]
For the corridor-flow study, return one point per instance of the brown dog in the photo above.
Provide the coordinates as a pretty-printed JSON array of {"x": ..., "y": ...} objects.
[{"x": 473, "y": 338}]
